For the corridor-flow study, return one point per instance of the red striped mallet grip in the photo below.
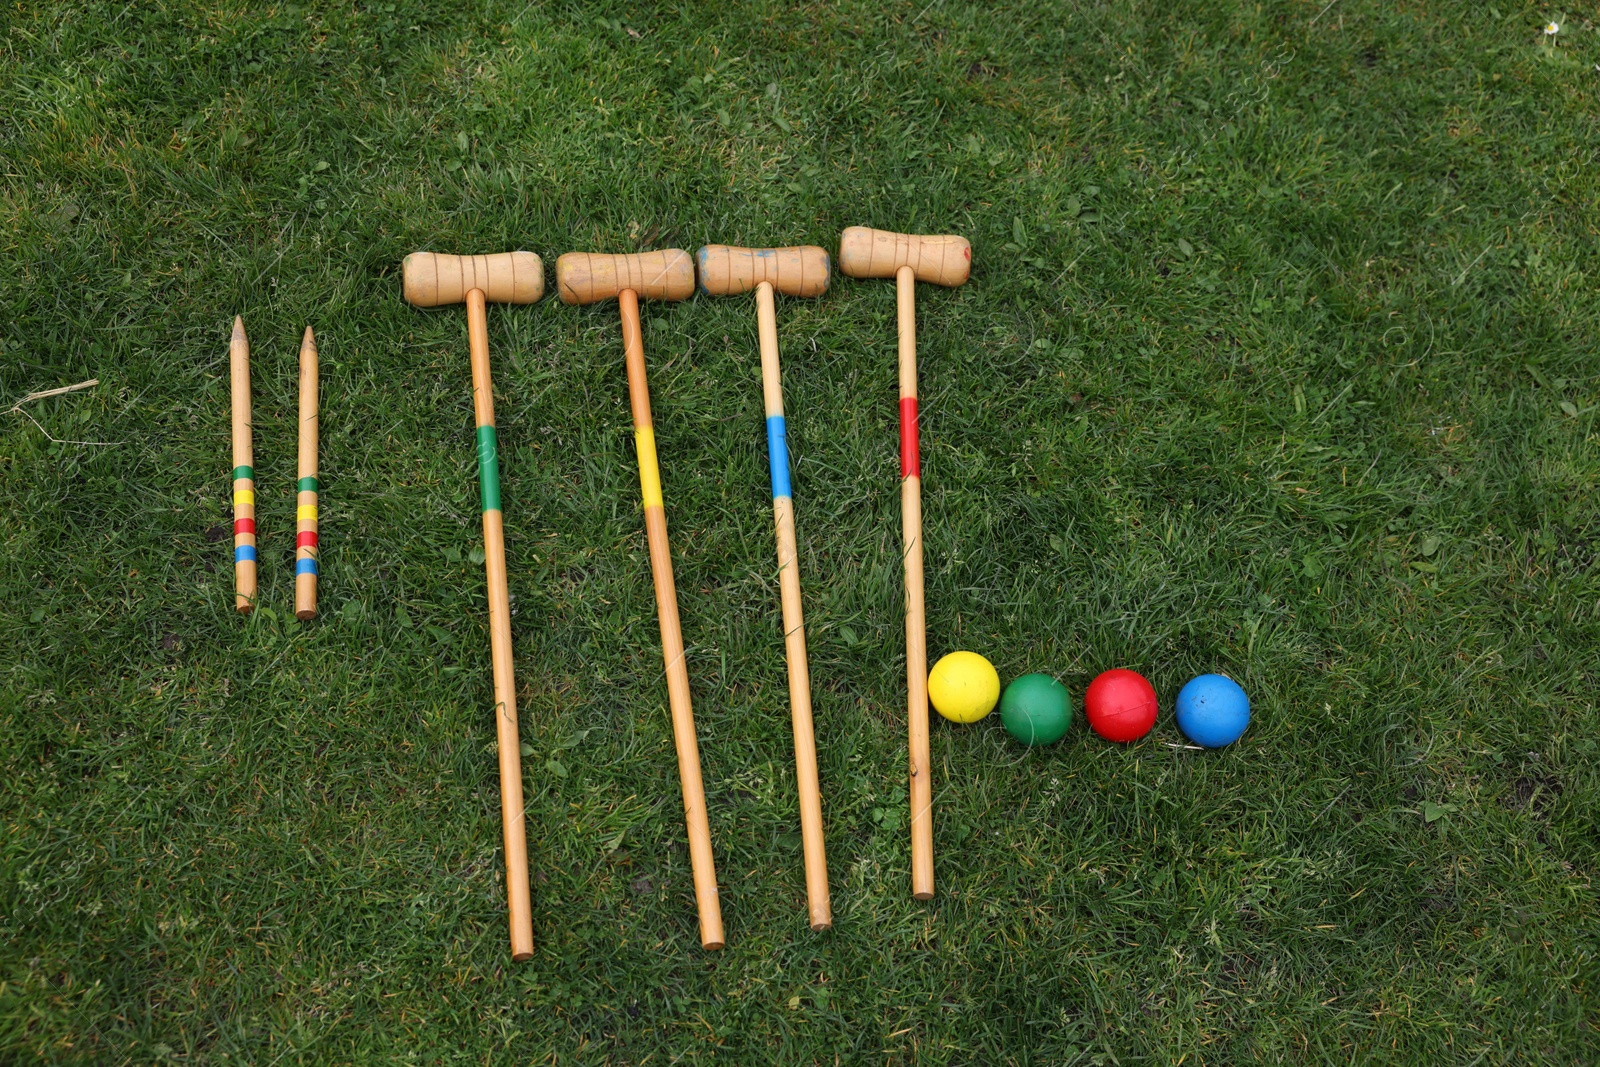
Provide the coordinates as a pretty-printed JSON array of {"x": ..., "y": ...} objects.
[
  {"x": 908, "y": 259},
  {"x": 910, "y": 450}
]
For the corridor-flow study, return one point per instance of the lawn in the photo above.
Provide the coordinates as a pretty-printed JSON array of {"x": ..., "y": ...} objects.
[{"x": 1278, "y": 359}]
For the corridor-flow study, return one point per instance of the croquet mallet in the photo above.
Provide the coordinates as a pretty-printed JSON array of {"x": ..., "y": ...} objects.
[
  {"x": 584, "y": 278},
  {"x": 908, "y": 259},
  {"x": 802, "y": 271},
  {"x": 513, "y": 278}
]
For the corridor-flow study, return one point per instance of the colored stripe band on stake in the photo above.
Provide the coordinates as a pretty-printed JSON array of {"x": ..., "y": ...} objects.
[
  {"x": 244, "y": 496},
  {"x": 778, "y": 456},
  {"x": 489, "y": 468},
  {"x": 244, "y": 471},
  {"x": 308, "y": 484},
  {"x": 243, "y": 526},
  {"x": 244, "y": 552},
  {"x": 644, "y": 440},
  {"x": 305, "y": 539},
  {"x": 306, "y": 513},
  {"x": 910, "y": 454},
  {"x": 305, "y": 566}
]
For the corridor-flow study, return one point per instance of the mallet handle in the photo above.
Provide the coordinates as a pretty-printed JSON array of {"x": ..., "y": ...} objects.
[
  {"x": 305, "y": 537},
  {"x": 585, "y": 277},
  {"x": 505, "y": 684},
  {"x": 655, "y": 525},
  {"x": 244, "y": 474},
  {"x": 799, "y": 271},
  {"x": 794, "y": 624},
  {"x": 916, "y": 615},
  {"x": 431, "y": 278}
]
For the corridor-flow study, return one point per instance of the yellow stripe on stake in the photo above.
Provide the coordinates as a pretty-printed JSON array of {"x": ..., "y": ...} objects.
[
  {"x": 306, "y": 513},
  {"x": 644, "y": 440},
  {"x": 242, "y": 497}
]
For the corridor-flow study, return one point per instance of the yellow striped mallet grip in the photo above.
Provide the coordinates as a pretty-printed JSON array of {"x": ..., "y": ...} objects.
[
  {"x": 432, "y": 279},
  {"x": 726, "y": 270},
  {"x": 943, "y": 260},
  {"x": 585, "y": 277}
]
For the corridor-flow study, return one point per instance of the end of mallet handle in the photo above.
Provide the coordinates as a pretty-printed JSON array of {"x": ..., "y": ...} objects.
[
  {"x": 944, "y": 259},
  {"x": 585, "y": 277},
  {"x": 798, "y": 271},
  {"x": 432, "y": 279}
]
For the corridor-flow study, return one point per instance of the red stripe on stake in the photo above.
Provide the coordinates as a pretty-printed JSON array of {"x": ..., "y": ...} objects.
[
  {"x": 910, "y": 455},
  {"x": 244, "y": 526},
  {"x": 305, "y": 539}
]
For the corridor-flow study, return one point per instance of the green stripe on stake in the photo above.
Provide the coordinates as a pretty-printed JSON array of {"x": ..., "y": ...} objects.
[
  {"x": 489, "y": 468},
  {"x": 308, "y": 484},
  {"x": 244, "y": 471}
]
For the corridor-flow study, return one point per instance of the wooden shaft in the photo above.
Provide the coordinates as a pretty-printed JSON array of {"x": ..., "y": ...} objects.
[
  {"x": 655, "y": 525},
  {"x": 725, "y": 269},
  {"x": 305, "y": 537},
  {"x": 585, "y": 277},
  {"x": 244, "y": 474},
  {"x": 866, "y": 253},
  {"x": 431, "y": 279},
  {"x": 916, "y": 617},
  {"x": 505, "y": 685},
  {"x": 794, "y": 625}
]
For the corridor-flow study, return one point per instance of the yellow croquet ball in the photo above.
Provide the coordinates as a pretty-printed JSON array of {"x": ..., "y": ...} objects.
[{"x": 963, "y": 687}]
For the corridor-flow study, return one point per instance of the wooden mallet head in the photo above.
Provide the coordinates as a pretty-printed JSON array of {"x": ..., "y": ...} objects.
[
  {"x": 867, "y": 253},
  {"x": 726, "y": 270},
  {"x": 584, "y": 277},
  {"x": 432, "y": 280}
]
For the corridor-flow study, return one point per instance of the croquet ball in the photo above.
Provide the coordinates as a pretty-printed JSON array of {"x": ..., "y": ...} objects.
[
  {"x": 1212, "y": 710},
  {"x": 1120, "y": 706},
  {"x": 1036, "y": 709},
  {"x": 963, "y": 687}
]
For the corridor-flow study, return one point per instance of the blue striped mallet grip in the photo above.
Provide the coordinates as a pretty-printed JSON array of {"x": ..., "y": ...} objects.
[{"x": 800, "y": 271}]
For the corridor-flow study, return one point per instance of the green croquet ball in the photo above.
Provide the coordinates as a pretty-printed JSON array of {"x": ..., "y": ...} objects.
[{"x": 1036, "y": 709}]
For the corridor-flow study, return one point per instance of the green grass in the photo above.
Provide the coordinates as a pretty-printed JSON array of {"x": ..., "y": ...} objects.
[{"x": 1278, "y": 359}]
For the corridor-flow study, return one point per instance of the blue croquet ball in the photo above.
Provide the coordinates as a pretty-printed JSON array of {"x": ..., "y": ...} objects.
[{"x": 1213, "y": 711}]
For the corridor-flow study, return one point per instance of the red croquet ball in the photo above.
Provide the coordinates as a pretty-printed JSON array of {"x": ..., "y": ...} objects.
[{"x": 1120, "y": 706}]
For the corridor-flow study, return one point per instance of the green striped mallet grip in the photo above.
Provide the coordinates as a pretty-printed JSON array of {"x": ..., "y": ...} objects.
[
  {"x": 512, "y": 277},
  {"x": 505, "y": 684}
]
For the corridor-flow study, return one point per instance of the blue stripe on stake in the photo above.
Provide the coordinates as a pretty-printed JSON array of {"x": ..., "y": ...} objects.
[
  {"x": 778, "y": 456},
  {"x": 305, "y": 566},
  {"x": 244, "y": 552}
]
